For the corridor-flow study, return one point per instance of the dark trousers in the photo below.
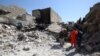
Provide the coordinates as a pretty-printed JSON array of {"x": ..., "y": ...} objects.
[
  {"x": 61, "y": 40},
  {"x": 79, "y": 44}
]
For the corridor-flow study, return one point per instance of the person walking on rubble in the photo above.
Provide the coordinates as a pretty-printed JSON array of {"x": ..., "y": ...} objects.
[
  {"x": 79, "y": 40},
  {"x": 79, "y": 37},
  {"x": 73, "y": 37},
  {"x": 62, "y": 36}
]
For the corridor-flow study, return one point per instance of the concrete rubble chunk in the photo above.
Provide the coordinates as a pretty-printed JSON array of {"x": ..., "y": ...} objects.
[
  {"x": 14, "y": 10},
  {"x": 3, "y": 12},
  {"x": 21, "y": 37},
  {"x": 54, "y": 28}
]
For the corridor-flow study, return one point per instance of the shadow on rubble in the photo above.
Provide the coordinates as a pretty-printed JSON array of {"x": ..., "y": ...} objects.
[
  {"x": 57, "y": 46},
  {"x": 83, "y": 51},
  {"x": 71, "y": 54},
  {"x": 68, "y": 49}
]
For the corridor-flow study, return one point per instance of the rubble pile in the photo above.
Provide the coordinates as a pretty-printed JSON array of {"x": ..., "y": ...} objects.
[
  {"x": 91, "y": 28},
  {"x": 18, "y": 43},
  {"x": 14, "y": 15},
  {"x": 12, "y": 11},
  {"x": 22, "y": 34},
  {"x": 19, "y": 35}
]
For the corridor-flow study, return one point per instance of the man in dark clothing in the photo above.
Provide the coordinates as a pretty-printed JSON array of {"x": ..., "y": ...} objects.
[
  {"x": 79, "y": 40},
  {"x": 79, "y": 37},
  {"x": 62, "y": 36}
]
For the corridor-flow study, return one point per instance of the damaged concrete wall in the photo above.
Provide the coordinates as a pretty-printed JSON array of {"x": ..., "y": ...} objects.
[
  {"x": 55, "y": 18},
  {"x": 42, "y": 15},
  {"x": 46, "y": 15},
  {"x": 47, "y": 18},
  {"x": 36, "y": 13}
]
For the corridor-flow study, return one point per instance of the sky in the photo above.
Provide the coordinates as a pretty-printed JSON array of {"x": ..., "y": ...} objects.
[{"x": 68, "y": 10}]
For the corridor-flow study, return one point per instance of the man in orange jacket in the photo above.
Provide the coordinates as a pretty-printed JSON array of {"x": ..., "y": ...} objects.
[{"x": 74, "y": 34}]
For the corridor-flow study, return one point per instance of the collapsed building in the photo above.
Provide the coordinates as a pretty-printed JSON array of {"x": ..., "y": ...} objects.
[
  {"x": 91, "y": 25},
  {"x": 13, "y": 41},
  {"x": 45, "y": 17},
  {"x": 40, "y": 19}
]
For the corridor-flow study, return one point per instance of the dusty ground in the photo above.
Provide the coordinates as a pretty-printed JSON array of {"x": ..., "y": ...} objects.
[{"x": 34, "y": 43}]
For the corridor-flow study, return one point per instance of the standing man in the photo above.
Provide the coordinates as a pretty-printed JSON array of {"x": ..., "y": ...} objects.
[
  {"x": 62, "y": 36},
  {"x": 74, "y": 35},
  {"x": 79, "y": 40}
]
